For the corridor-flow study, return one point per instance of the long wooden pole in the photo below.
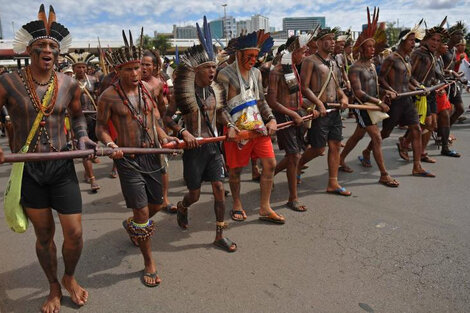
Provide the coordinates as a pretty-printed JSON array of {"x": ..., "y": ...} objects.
[
  {"x": 421, "y": 91},
  {"x": 365, "y": 106},
  {"x": 242, "y": 135},
  {"x": 75, "y": 154}
]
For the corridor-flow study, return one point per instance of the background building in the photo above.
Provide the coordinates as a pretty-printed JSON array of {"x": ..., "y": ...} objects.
[
  {"x": 184, "y": 32},
  {"x": 230, "y": 27},
  {"x": 217, "y": 28},
  {"x": 297, "y": 25},
  {"x": 244, "y": 25},
  {"x": 259, "y": 22}
]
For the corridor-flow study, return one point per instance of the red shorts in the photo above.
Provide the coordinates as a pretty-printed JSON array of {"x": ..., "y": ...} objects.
[
  {"x": 260, "y": 147},
  {"x": 443, "y": 102}
]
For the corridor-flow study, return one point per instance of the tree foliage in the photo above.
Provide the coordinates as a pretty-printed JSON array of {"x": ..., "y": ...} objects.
[
  {"x": 393, "y": 33},
  {"x": 161, "y": 43}
]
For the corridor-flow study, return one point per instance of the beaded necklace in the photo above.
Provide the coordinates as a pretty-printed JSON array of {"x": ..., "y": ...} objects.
[
  {"x": 46, "y": 83},
  {"x": 28, "y": 83},
  {"x": 31, "y": 90}
]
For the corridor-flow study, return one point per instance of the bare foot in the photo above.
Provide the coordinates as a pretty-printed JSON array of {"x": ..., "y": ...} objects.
[
  {"x": 52, "y": 304},
  {"x": 78, "y": 295}
]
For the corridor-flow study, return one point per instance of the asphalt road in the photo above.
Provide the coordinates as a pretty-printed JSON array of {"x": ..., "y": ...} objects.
[{"x": 381, "y": 250}]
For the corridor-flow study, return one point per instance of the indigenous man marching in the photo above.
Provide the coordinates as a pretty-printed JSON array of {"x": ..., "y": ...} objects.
[
  {"x": 320, "y": 85},
  {"x": 246, "y": 109},
  {"x": 395, "y": 77},
  {"x": 456, "y": 34},
  {"x": 88, "y": 84},
  {"x": 285, "y": 99},
  {"x": 38, "y": 126},
  {"x": 444, "y": 106},
  {"x": 196, "y": 99},
  {"x": 365, "y": 87},
  {"x": 150, "y": 66},
  {"x": 129, "y": 104},
  {"x": 424, "y": 66}
]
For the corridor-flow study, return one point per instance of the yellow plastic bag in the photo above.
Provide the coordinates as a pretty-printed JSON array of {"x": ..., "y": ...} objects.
[
  {"x": 422, "y": 108},
  {"x": 14, "y": 212}
]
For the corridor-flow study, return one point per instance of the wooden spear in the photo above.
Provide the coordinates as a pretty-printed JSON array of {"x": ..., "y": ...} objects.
[
  {"x": 421, "y": 91},
  {"x": 75, "y": 154}
]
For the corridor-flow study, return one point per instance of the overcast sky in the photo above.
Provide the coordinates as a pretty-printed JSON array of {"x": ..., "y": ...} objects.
[{"x": 87, "y": 19}]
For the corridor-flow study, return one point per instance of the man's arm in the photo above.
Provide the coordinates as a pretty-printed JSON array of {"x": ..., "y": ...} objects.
[
  {"x": 162, "y": 135},
  {"x": 263, "y": 106},
  {"x": 103, "y": 115},
  {"x": 78, "y": 119},
  {"x": 385, "y": 70},
  {"x": 354, "y": 77},
  {"x": 223, "y": 116},
  {"x": 3, "y": 97},
  {"x": 182, "y": 132}
]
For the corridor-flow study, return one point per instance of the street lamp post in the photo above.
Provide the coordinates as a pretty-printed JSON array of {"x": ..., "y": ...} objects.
[{"x": 223, "y": 23}]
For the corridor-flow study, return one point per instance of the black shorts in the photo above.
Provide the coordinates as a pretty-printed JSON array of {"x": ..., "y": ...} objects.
[
  {"x": 91, "y": 124},
  {"x": 51, "y": 184},
  {"x": 202, "y": 164},
  {"x": 455, "y": 95},
  {"x": 403, "y": 112},
  {"x": 289, "y": 139},
  {"x": 432, "y": 103},
  {"x": 141, "y": 180},
  {"x": 362, "y": 118},
  {"x": 325, "y": 129}
]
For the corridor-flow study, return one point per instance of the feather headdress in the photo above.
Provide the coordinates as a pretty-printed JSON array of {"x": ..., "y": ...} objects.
[
  {"x": 127, "y": 54},
  {"x": 43, "y": 28},
  {"x": 259, "y": 40},
  {"x": 347, "y": 36},
  {"x": 437, "y": 30},
  {"x": 202, "y": 53},
  {"x": 417, "y": 30},
  {"x": 303, "y": 40},
  {"x": 185, "y": 74},
  {"x": 369, "y": 32},
  {"x": 380, "y": 38},
  {"x": 322, "y": 32},
  {"x": 79, "y": 57},
  {"x": 458, "y": 28}
]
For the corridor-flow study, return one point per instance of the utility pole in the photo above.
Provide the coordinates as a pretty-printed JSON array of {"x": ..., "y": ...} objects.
[{"x": 223, "y": 23}]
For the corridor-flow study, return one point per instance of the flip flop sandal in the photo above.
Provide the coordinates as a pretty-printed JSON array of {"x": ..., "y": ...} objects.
[
  {"x": 242, "y": 213},
  {"x": 345, "y": 169},
  {"x": 182, "y": 218},
  {"x": 424, "y": 174},
  {"x": 273, "y": 218},
  {"x": 225, "y": 244},
  {"x": 427, "y": 159},
  {"x": 403, "y": 153},
  {"x": 390, "y": 183},
  {"x": 364, "y": 162},
  {"x": 296, "y": 206},
  {"x": 94, "y": 186},
  {"x": 340, "y": 192},
  {"x": 152, "y": 276},
  {"x": 451, "y": 153},
  {"x": 171, "y": 208}
]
